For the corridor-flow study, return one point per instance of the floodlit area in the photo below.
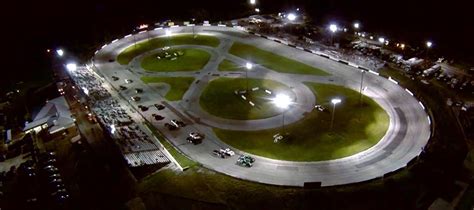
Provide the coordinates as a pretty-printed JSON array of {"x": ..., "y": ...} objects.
[{"x": 271, "y": 105}]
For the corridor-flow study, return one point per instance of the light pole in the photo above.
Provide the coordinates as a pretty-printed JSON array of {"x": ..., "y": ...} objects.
[
  {"x": 333, "y": 29},
  {"x": 248, "y": 66},
  {"x": 282, "y": 101},
  {"x": 429, "y": 44},
  {"x": 334, "y": 101},
  {"x": 361, "y": 83}
]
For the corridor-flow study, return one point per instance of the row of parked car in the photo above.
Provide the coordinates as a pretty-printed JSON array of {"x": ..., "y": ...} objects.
[{"x": 51, "y": 173}]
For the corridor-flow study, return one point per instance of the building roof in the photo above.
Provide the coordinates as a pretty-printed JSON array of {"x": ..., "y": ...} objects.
[{"x": 55, "y": 113}]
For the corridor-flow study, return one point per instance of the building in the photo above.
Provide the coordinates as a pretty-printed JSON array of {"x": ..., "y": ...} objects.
[{"x": 53, "y": 117}]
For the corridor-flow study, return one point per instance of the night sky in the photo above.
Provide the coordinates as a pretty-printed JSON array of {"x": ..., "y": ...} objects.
[{"x": 30, "y": 27}]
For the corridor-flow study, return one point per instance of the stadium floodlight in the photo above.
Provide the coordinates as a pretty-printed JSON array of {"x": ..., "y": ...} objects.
[
  {"x": 381, "y": 40},
  {"x": 282, "y": 101},
  {"x": 249, "y": 65},
  {"x": 429, "y": 44},
  {"x": 60, "y": 52},
  {"x": 333, "y": 28},
  {"x": 253, "y": 2},
  {"x": 291, "y": 17},
  {"x": 334, "y": 102},
  {"x": 71, "y": 67},
  {"x": 168, "y": 32},
  {"x": 356, "y": 25}
]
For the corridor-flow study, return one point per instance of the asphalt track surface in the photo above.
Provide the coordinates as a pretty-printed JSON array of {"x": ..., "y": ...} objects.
[{"x": 408, "y": 133}]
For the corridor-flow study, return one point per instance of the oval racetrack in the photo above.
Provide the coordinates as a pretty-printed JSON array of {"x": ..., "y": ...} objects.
[{"x": 408, "y": 133}]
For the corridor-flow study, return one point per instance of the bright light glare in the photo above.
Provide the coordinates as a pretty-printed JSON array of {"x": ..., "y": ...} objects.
[
  {"x": 257, "y": 10},
  {"x": 282, "y": 101},
  {"x": 335, "y": 101},
  {"x": 291, "y": 17},
  {"x": 253, "y": 2},
  {"x": 382, "y": 40},
  {"x": 71, "y": 66},
  {"x": 112, "y": 129},
  {"x": 86, "y": 91},
  {"x": 356, "y": 25},
  {"x": 249, "y": 66},
  {"x": 429, "y": 44},
  {"x": 168, "y": 32},
  {"x": 333, "y": 28},
  {"x": 60, "y": 52}
]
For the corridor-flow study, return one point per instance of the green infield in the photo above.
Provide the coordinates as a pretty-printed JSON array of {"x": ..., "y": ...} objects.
[
  {"x": 183, "y": 39},
  {"x": 227, "y": 65},
  {"x": 178, "y": 85},
  {"x": 219, "y": 98},
  {"x": 176, "y": 60},
  {"x": 273, "y": 61},
  {"x": 356, "y": 128}
]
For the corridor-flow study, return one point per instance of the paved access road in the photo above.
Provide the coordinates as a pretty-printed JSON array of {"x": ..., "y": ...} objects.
[{"x": 408, "y": 132}]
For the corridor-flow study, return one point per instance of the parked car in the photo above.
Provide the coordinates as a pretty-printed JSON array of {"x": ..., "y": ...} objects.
[
  {"x": 159, "y": 106},
  {"x": 178, "y": 123},
  {"x": 170, "y": 126},
  {"x": 158, "y": 117},
  {"x": 135, "y": 98},
  {"x": 143, "y": 108}
]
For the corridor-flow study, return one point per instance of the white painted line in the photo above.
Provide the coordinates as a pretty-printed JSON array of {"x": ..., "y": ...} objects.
[
  {"x": 206, "y": 24},
  {"x": 299, "y": 48},
  {"x": 96, "y": 52},
  {"x": 429, "y": 120},
  {"x": 159, "y": 28},
  {"x": 221, "y": 25},
  {"x": 271, "y": 38},
  {"x": 257, "y": 34},
  {"x": 373, "y": 72},
  {"x": 174, "y": 26},
  {"x": 392, "y": 80},
  {"x": 141, "y": 32},
  {"x": 114, "y": 40},
  {"x": 421, "y": 104},
  {"x": 105, "y": 45},
  {"x": 315, "y": 52},
  {"x": 409, "y": 92},
  {"x": 127, "y": 36},
  {"x": 285, "y": 43},
  {"x": 191, "y": 24},
  {"x": 353, "y": 65}
]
